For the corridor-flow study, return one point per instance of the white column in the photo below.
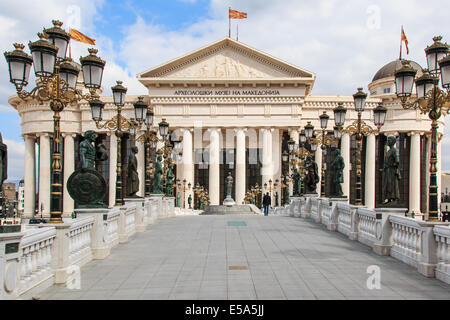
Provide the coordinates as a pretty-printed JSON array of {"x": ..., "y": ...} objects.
[
  {"x": 141, "y": 167},
  {"x": 69, "y": 167},
  {"x": 267, "y": 170},
  {"x": 29, "y": 176},
  {"x": 276, "y": 162},
  {"x": 188, "y": 164},
  {"x": 345, "y": 146},
  {"x": 318, "y": 159},
  {"x": 112, "y": 168},
  {"x": 240, "y": 166},
  {"x": 369, "y": 184},
  {"x": 414, "y": 174},
  {"x": 44, "y": 174},
  {"x": 214, "y": 167}
]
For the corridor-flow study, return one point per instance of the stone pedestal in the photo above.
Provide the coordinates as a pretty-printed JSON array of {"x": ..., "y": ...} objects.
[
  {"x": 100, "y": 249},
  {"x": 9, "y": 264},
  {"x": 383, "y": 243},
  {"x": 339, "y": 199},
  {"x": 393, "y": 211},
  {"x": 170, "y": 206},
  {"x": 139, "y": 214},
  {"x": 229, "y": 201},
  {"x": 294, "y": 207},
  {"x": 157, "y": 210}
]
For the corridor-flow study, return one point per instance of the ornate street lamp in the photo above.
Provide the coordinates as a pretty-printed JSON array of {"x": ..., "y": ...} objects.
[
  {"x": 360, "y": 129},
  {"x": 325, "y": 141},
  {"x": 430, "y": 99},
  {"x": 119, "y": 125},
  {"x": 149, "y": 139},
  {"x": 55, "y": 85}
]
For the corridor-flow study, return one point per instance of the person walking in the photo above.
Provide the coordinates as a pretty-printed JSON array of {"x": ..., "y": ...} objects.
[{"x": 266, "y": 203}]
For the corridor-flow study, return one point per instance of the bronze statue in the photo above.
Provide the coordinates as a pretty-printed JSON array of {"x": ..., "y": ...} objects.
[
  {"x": 229, "y": 181},
  {"x": 312, "y": 175},
  {"x": 391, "y": 173},
  {"x": 169, "y": 180},
  {"x": 157, "y": 181},
  {"x": 133, "y": 176},
  {"x": 338, "y": 166},
  {"x": 190, "y": 201},
  {"x": 85, "y": 185},
  {"x": 297, "y": 177},
  {"x": 3, "y": 162}
]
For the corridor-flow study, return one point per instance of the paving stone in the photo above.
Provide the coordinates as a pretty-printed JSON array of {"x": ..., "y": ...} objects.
[{"x": 287, "y": 258}]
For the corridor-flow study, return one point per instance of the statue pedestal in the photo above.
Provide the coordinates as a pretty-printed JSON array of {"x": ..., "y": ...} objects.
[
  {"x": 311, "y": 195},
  {"x": 339, "y": 199},
  {"x": 157, "y": 201},
  {"x": 229, "y": 202},
  {"x": 392, "y": 211}
]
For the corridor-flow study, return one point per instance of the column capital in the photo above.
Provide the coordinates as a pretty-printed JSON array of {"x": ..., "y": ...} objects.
[
  {"x": 414, "y": 133},
  {"x": 42, "y": 134},
  {"x": 391, "y": 133},
  {"x": 29, "y": 136},
  {"x": 236, "y": 130},
  {"x": 68, "y": 134}
]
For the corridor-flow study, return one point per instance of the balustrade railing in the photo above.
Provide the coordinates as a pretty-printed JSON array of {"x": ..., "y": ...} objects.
[
  {"x": 442, "y": 237},
  {"x": 35, "y": 259}
]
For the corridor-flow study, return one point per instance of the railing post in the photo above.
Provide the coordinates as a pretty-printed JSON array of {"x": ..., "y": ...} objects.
[{"x": 9, "y": 264}]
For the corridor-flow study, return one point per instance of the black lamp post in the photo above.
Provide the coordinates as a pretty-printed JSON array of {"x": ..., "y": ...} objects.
[
  {"x": 360, "y": 129},
  {"x": 430, "y": 100},
  {"x": 119, "y": 125},
  {"x": 56, "y": 85}
]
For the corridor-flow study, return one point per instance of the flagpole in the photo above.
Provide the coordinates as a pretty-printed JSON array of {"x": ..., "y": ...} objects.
[
  {"x": 401, "y": 40},
  {"x": 229, "y": 23}
]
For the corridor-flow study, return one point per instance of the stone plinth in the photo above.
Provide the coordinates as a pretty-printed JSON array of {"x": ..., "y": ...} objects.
[
  {"x": 100, "y": 250},
  {"x": 229, "y": 202},
  {"x": 240, "y": 209}
]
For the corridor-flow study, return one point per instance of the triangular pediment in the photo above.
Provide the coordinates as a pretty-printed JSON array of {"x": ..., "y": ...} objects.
[{"x": 226, "y": 59}]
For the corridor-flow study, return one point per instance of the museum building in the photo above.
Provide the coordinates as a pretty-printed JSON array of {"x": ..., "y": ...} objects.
[{"x": 235, "y": 108}]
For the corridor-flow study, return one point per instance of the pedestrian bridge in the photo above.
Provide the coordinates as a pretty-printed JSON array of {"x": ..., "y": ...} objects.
[{"x": 312, "y": 249}]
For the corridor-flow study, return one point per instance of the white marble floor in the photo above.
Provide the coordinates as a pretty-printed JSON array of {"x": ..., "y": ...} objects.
[{"x": 189, "y": 257}]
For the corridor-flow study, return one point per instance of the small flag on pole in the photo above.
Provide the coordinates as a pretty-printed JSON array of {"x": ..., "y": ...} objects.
[
  {"x": 78, "y": 36},
  {"x": 234, "y": 14},
  {"x": 405, "y": 40}
]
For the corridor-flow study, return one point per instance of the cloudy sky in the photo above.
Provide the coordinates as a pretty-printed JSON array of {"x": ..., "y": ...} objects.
[{"x": 343, "y": 41}]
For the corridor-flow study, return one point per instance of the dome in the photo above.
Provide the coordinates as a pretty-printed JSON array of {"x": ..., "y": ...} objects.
[{"x": 389, "y": 69}]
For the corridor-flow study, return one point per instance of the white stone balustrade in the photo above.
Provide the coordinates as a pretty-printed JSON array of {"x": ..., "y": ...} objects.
[
  {"x": 305, "y": 207},
  {"x": 41, "y": 255},
  {"x": 442, "y": 237},
  {"x": 127, "y": 226},
  {"x": 347, "y": 220},
  {"x": 35, "y": 272},
  {"x": 315, "y": 209},
  {"x": 367, "y": 231},
  {"x": 80, "y": 251}
]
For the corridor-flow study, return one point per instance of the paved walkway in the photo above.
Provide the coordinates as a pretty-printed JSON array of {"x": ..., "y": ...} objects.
[{"x": 276, "y": 258}]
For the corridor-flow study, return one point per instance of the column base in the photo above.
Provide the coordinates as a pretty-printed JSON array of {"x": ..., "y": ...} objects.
[{"x": 382, "y": 250}]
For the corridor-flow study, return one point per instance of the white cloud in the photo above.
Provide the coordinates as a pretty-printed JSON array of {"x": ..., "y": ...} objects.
[{"x": 333, "y": 39}]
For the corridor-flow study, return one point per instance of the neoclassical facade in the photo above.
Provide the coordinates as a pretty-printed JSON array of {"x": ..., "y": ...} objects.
[{"x": 235, "y": 108}]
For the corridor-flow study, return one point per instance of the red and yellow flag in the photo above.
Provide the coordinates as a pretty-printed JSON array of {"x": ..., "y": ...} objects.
[
  {"x": 234, "y": 14},
  {"x": 405, "y": 40},
  {"x": 78, "y": 36}
]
